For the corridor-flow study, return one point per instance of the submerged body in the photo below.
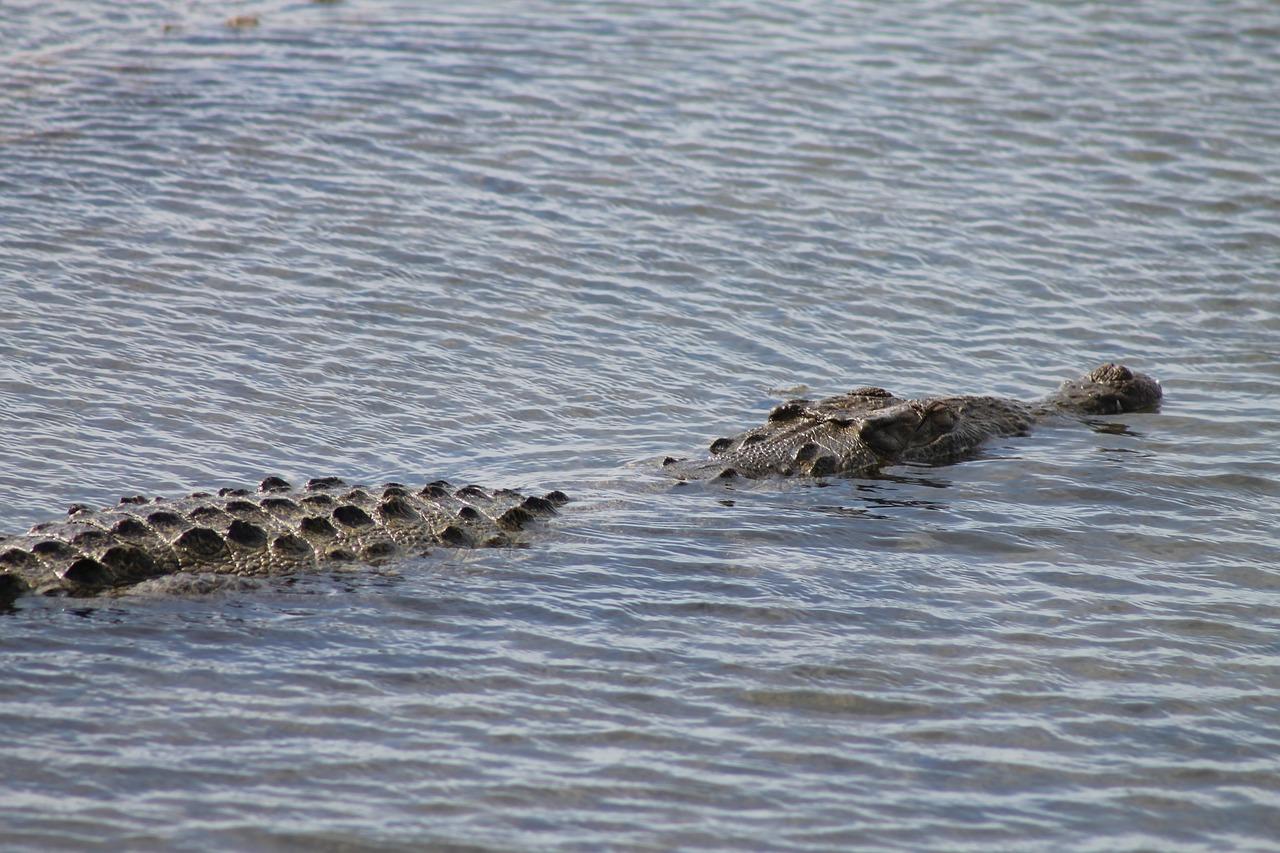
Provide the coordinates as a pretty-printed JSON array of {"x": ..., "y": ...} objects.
[
  {"x": 273, "y": 531},
  {"x": 279, "y": 529},
  {"x": 857, "y": 433}
]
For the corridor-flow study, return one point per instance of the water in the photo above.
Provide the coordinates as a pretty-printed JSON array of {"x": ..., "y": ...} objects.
[{"x": 542, "y": 245}]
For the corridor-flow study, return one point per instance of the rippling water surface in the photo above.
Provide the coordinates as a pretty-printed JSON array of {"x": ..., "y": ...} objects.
[{"x": 541, "y": 245}]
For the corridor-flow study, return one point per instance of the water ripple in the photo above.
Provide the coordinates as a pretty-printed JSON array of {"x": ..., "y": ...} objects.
[{"x": 546, "y": 244}]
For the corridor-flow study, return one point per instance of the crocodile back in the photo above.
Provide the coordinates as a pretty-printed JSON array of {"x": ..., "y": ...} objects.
[{"x": 273, "y": 530}]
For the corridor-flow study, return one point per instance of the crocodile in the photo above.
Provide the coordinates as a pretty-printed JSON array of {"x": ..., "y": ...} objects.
[
  {"x": 273, "y": 530},
  {"x": 279, "y": 529},
  {"x": 856, "y": 433}
]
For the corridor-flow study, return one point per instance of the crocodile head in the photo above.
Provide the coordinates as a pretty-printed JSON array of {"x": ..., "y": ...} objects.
[{"x": 1110, "y": 389}]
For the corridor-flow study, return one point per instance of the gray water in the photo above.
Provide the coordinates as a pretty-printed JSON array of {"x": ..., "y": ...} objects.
[{"x": 542, "y": 245}]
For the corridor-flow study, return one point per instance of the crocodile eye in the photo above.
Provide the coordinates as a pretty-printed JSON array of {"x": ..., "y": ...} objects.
[
  {"x": 938, "y": 419},
  {"x": 889, "y": 435}
]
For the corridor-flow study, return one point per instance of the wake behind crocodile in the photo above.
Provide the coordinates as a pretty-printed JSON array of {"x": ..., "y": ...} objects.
[{"x": 278, "y": 529}]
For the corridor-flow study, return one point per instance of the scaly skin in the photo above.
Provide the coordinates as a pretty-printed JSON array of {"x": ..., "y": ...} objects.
[
  {"x": 850, "y": 435},
  {"x": 857, "y": 433},
  {"x": 273, "y": 531},
  {"x": 280, "y": 529}
]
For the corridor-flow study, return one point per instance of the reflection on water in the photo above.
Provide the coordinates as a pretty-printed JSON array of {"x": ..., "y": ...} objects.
[{"x": 543, "y": 245}]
